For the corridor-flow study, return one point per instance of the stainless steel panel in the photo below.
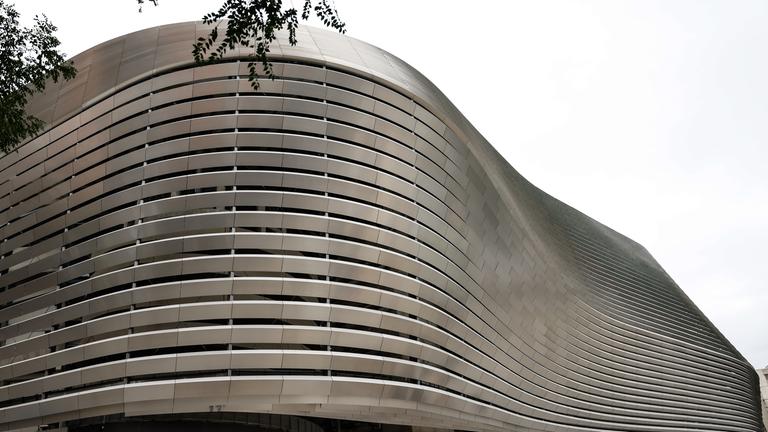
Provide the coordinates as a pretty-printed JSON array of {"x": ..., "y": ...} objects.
[
  {"x": 173, "y": 78},
  {"x": 155, "y": 315},
  {"x": 255, "y": 360},
  {"x": 150, "y": 365},
  {"x": 135, "y": 140},
  {"x": 376, "y": 268},
  {"x": 156, "y": 339},
  {"x": 102, "y": 372},
  {"x": 170, "y": 112},
  {"x": 213, "y": 123},
  {"x": 257, "y": 334},
  {"x": 257, "y": 309},
  {"x": 167, "y": 96},
  {"x": 204, "y": 336},
  {"x": 203, "y": 361},
  {"x": 214, "y": 88},
  {"x": 252, "y": 386},
  {"x": 260, "y": 103},
  {"x": 215, "y": 105},
  {"x": 316, "y": 312},
  {"x": 204, "y": 311}
]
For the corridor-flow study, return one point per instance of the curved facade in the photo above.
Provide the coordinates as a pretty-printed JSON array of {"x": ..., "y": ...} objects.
[{"x": 341, "y": 244}]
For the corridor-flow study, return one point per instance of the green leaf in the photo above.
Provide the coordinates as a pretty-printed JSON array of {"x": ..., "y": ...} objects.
[{"x": 28, "y": 59}]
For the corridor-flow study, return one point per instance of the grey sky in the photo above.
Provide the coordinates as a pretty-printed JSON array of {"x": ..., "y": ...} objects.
[{"x": 650, "y": 116}]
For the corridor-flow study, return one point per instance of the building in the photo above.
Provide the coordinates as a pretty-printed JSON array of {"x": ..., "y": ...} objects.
[
  {"x": 763, "y": 377},
  {"x": 339, "y": 251}
]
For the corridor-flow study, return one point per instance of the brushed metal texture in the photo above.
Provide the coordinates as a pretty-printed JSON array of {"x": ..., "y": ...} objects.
[{"x": 341, "y": 244}]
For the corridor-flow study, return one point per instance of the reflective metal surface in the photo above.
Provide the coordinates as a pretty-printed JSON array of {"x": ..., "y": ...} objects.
[{"x": 340, "y": 244}]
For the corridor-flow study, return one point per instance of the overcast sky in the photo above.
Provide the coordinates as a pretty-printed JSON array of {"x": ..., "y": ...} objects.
[{"x": 649, "y": 116}]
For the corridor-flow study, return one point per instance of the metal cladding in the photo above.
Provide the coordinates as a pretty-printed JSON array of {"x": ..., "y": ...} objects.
[{"x": 341, "y": 243}]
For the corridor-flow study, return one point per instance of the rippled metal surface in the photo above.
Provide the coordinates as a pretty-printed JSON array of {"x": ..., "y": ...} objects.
[{"x": 341, "y": 244}]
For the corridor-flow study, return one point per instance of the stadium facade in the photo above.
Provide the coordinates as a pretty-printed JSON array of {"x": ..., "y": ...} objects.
[{"x": 339, "y": 250}]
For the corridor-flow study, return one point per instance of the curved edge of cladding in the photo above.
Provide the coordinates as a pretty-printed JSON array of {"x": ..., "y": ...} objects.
[{"x": 494, "y": 305}]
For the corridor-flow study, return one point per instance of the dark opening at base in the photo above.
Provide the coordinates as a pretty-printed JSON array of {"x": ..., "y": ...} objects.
[{"x": 231, "y": 422}]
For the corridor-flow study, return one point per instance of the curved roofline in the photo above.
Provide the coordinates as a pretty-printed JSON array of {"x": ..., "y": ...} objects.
[{"x": 360, "y": 59}]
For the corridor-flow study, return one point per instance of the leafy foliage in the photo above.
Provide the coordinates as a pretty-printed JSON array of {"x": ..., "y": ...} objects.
[
  {"x": 141, "y": 3},
  {"x": 28, "y": 56},
  {"x": 255, "y": 23}
]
